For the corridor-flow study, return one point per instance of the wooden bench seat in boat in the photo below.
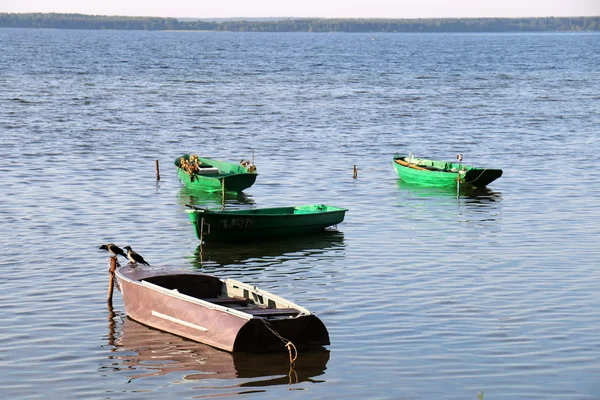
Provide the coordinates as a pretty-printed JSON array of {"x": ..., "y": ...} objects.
[
  {"x": 227, "y": 300},
  {"x": 208, "y": 170},
  {"x": 268, "y": 312},
  {"x": 242, "y": 304}
]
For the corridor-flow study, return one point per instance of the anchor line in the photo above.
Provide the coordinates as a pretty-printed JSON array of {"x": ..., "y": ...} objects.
[{"x": 288, "y": 343}]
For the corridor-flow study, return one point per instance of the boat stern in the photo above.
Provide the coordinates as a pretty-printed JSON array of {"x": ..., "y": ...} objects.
[
  {"x": 480, "y": 177},
  {"x": 305, "y": 332}
]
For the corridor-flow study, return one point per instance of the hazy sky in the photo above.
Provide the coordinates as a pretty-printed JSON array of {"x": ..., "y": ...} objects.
[{"x": 312, "y": 8}]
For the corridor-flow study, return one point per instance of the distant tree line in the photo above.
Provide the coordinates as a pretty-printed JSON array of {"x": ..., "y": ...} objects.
[
  {"x": 416, "y": 25},
  {"x": 82, "y": 21}
]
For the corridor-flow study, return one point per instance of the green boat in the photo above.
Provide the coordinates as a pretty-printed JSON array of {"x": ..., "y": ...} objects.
[
  {"x": 443, "y": 174},
  {"x": 213, "y": 175},
  {"x": 260, "y": 223}
]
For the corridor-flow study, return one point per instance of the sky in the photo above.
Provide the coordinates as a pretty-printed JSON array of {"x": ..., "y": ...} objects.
[{"x": 311, "y": 8}]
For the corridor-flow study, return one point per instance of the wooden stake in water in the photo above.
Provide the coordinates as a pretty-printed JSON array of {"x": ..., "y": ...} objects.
[
  {"x": 111, "y": 282},
  {"x": 223, "y": 190},
  {"x": 355, "y": 172},
  {"x": 459, "y": 158},
  {"x": 157, "y": 171}
]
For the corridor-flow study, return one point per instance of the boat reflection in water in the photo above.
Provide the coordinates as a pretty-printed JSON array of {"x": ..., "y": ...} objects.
[
  {"x": 212, "y": 199},
  {"x": 468, "y": 193},
  {"x": 275, "y": 251},
  {"x": 146, "y": 352}
]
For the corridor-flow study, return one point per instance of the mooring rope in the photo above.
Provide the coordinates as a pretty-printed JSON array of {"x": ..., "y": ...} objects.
[{"x": 288, "y": 343}]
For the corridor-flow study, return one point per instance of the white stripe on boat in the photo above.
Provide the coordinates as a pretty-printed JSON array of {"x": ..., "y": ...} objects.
[{"x": 179, "y": 321}]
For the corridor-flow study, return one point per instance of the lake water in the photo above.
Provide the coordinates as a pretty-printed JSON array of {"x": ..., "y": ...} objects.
[{"x": 425, "y": 295}]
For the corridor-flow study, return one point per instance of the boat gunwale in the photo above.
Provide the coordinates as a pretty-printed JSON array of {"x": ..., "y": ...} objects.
[
  {"x": 220, "y": 175},
  {"x": 213, "y": 161},
  {"x": 263, "y": 212},
  {"x": 425, "y": 168},
  {"x": 207, "y": 304}
]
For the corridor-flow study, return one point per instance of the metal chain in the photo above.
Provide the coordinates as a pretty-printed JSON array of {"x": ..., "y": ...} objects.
[{"x": 288, "y": 343}]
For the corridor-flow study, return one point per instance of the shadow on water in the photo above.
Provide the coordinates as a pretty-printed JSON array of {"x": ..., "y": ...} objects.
[
  {"x": 212, "y": 199},
  {"x": 211, "y": 254},
  {"x": 468, "y": 193},
  {"x": 145, "y": 352}
]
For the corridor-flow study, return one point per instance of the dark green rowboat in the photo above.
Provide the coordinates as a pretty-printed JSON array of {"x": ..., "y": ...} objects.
[
  {"x": 443, "y": 174},
  {"x": 210, "y": 175},
  {"x": 259, "y": 223}
]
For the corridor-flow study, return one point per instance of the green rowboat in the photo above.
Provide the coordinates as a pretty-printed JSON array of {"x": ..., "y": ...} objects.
[
  {"x": 443, "y": 174},
  {"x": 211, "y": 175},
  {"x": 260, "y": 223}
]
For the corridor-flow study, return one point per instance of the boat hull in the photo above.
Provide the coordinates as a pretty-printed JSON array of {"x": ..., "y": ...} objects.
[
  {"x": 247, "y": 225},
  {"x": 235, "y": 177},
  {"x": 180, "y": 310},
  {"x": 443, "y": 174}
]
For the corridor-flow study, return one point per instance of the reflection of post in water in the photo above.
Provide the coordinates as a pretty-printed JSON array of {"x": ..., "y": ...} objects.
[
  {"x": 199, "y": 255},
  {"x": 111, "y": 325}
]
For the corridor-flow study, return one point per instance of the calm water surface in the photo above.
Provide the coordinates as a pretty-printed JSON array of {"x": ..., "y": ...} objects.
[{"x": 425, "y": 295}]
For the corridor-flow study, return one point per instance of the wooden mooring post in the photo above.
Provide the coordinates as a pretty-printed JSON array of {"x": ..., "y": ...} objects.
[
  {"x": 111, "y": 283},
  {"x": 223, "y": 190},
  {"x": 157, "y": 171},
  {"x": 355, "y": 172}
]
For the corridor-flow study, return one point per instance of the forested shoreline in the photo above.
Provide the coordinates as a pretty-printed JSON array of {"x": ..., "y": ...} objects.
[{"x": 96, "y": 22}]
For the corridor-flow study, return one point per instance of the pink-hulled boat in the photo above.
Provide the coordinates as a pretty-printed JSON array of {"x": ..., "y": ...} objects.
[{"x": 224, "y": 313}]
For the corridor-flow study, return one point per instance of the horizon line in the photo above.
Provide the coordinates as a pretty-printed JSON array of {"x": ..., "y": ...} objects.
[{"x": 291, "y": 17}]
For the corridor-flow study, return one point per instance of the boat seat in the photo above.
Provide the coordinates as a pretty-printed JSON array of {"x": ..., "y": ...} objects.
[
  {"x": 208, "y": 170},
  {"x": 430, "y": 168},
  {"x": 227, "y": 300},
  {"x": 269, "y": 312}
]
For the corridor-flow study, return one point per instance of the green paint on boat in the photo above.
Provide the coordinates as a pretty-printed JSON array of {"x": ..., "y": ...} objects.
[
  {"x": 442, "y": 174},
  {"x": 259, "y": 223},
  {"x": 214, "y": 173}
]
